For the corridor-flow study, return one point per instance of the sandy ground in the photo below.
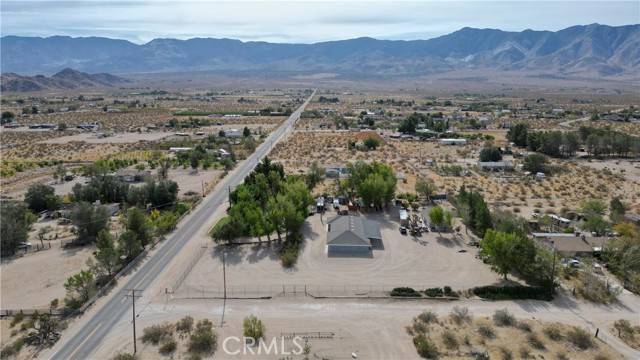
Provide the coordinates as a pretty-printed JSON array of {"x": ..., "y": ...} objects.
[
  {"x": 118, "y": 138},
  {"x": 37, "y": 278},
  {"x": 630, "y": 169},
  {"x": 373, "y": 329},
  {"x": 17, "y": 191},
  {"x": 428, "y": 261},
  {"x": 190, "y": 181}
]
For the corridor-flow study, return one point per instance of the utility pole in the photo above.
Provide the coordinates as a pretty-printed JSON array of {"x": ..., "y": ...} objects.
[
  {"x": 202, "y": 188},
  {"x": 229, "y": 194},
  {"x": 553, "y": 266},
  {"x": 133, "y": 301},
  {"x": 224, "y": 272}
]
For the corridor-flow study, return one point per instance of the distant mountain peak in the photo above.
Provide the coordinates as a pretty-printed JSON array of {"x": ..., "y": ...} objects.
[
  {"x": 65, "y": 79},
  {"x": 592, "y": 50}
]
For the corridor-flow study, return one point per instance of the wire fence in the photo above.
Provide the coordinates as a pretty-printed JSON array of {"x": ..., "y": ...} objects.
[{"x": 287, "y": 290}]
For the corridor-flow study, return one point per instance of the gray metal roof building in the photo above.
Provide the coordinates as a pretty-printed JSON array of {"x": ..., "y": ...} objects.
[{"x": 351, "y": 234}]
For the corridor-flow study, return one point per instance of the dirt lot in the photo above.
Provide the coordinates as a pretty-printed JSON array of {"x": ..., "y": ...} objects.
[
  {"x": 428, "y": 261},
  {"x": 37, "y": 278},
  {"x": 119, "y": 138},
  {"x": 188, "y": 181}
]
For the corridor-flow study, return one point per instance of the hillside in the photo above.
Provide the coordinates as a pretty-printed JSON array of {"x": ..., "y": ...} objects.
[
  {"x": 66, "y": 79},
  {"x": 590, "y": 51}
]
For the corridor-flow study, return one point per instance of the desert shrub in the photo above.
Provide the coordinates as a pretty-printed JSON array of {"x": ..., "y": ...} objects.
[
  {"x": 252, "y": 327},
  {"x": 523, "y": 326},
  {"x": 535, "y": 342},
  {"x": 428, "y": 317},
  {"x": 289, "y": 256},
  {"x": 486, "y": 331},
  {"x": 17, "y": 318},
  {"x": 601, "y": 357},
  {"x": 54, "y": 303},
  {"x": 419, "y": 327},
  {"x": 505, "y": 353},
  {"x": 448, "y": 291},
  {"x": 449, "y": 339},
  {"x": 156, "y": 333},
  {"x": 512, "y": 292},
  {"x": 12, "y": 349},
  {"x": 580, "y": 338},
  {"x": 525, "y": 353},
  {"x": 595, "y": 289},
  {"x": 553, "y": 332},
  {"x": 434, "y": 292},
  {"x": 405, "y": 292},
  {"x": 124, "y": 356},
  {"x": 168, "y": 347},
  {"x": 204, "y": 339},
  {"x": 460, "y": 314},
  {"x": 185, "y": 325},
  {"x": 562, "y": 356},
  {"x": 425, "y": 347},
  {"x": 503, "y": 318}
]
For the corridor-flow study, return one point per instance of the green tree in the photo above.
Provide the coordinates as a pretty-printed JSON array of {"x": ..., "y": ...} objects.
[
  {"x": 425, "y": 187},
  {"x": 535, "y": 163},
  {"x": 137, "y": 222},
  {"x": 617, "y": 209},
  {"x": 194, "y": 160},
  {"x": 371, "y": 143},
  {"x": 106, "y": 254},
  {"x": 490, "y": 153},
  {"x": 518, "y": 134},
  {"x": 593, "y": 207},
  {"x": 129, "y": 245},
  {"x": 226, "y": 229},
  {"x": 80, "y": 287},
  {"x": 500, "y": 249},
  {"x": 7, "y": 117},
  {"x": 163, "y": 169},
  {"x": 41, "y": 197},
  {"x": 89, "y": 220},
  {"x": 436, "y": 216},
  {"x": 596, "y": 224},
  {"x": 315, "y": 175},
  {"x": 246, "y": 132},
  {"x": 253, "y": 328},
  {"x": 15, "y": 223}
]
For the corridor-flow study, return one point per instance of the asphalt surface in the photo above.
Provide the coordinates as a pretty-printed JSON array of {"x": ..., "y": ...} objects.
[{"x": 96, "y": 329}]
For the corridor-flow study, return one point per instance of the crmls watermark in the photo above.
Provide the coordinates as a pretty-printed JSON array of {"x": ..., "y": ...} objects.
[{"x": 234, "y": 345}]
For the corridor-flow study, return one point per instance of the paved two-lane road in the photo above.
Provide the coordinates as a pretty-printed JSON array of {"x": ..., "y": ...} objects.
[{"x": 95, "y": 329}]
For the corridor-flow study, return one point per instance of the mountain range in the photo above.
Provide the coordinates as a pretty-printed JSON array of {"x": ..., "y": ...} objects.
[
  {"x": 66, "y": 79},
  {"x": 593, "y": 51}
]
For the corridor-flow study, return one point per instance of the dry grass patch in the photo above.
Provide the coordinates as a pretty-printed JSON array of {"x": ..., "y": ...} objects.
[{"x": 502, "y": 336}]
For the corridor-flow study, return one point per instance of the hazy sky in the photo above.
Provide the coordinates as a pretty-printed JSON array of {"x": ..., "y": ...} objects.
[{"x": 299, "y": 21}]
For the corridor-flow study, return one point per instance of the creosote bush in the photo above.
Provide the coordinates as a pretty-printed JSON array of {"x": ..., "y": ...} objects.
[
  {"x": 428, "y": 317},
  {"x": 425, "y": 347},
  {"x": 486, "y": 331},
  {"x": 450, "y": 340},
  {"x": 204, "y": 339},
  {"x": 460, "y": 314},
  {"x": 503, "y": 318},
  {"x": 553, "y": 332},
  {"x": 185, "y": 325},
  {"x": 157, "y": 333},
  {"x": 580, "y": 338}
]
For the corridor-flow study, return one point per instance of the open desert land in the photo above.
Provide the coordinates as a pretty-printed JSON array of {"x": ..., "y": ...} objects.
[
  {"x": 340, "y": 303},
  {"x": 563, "y": 192}
]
